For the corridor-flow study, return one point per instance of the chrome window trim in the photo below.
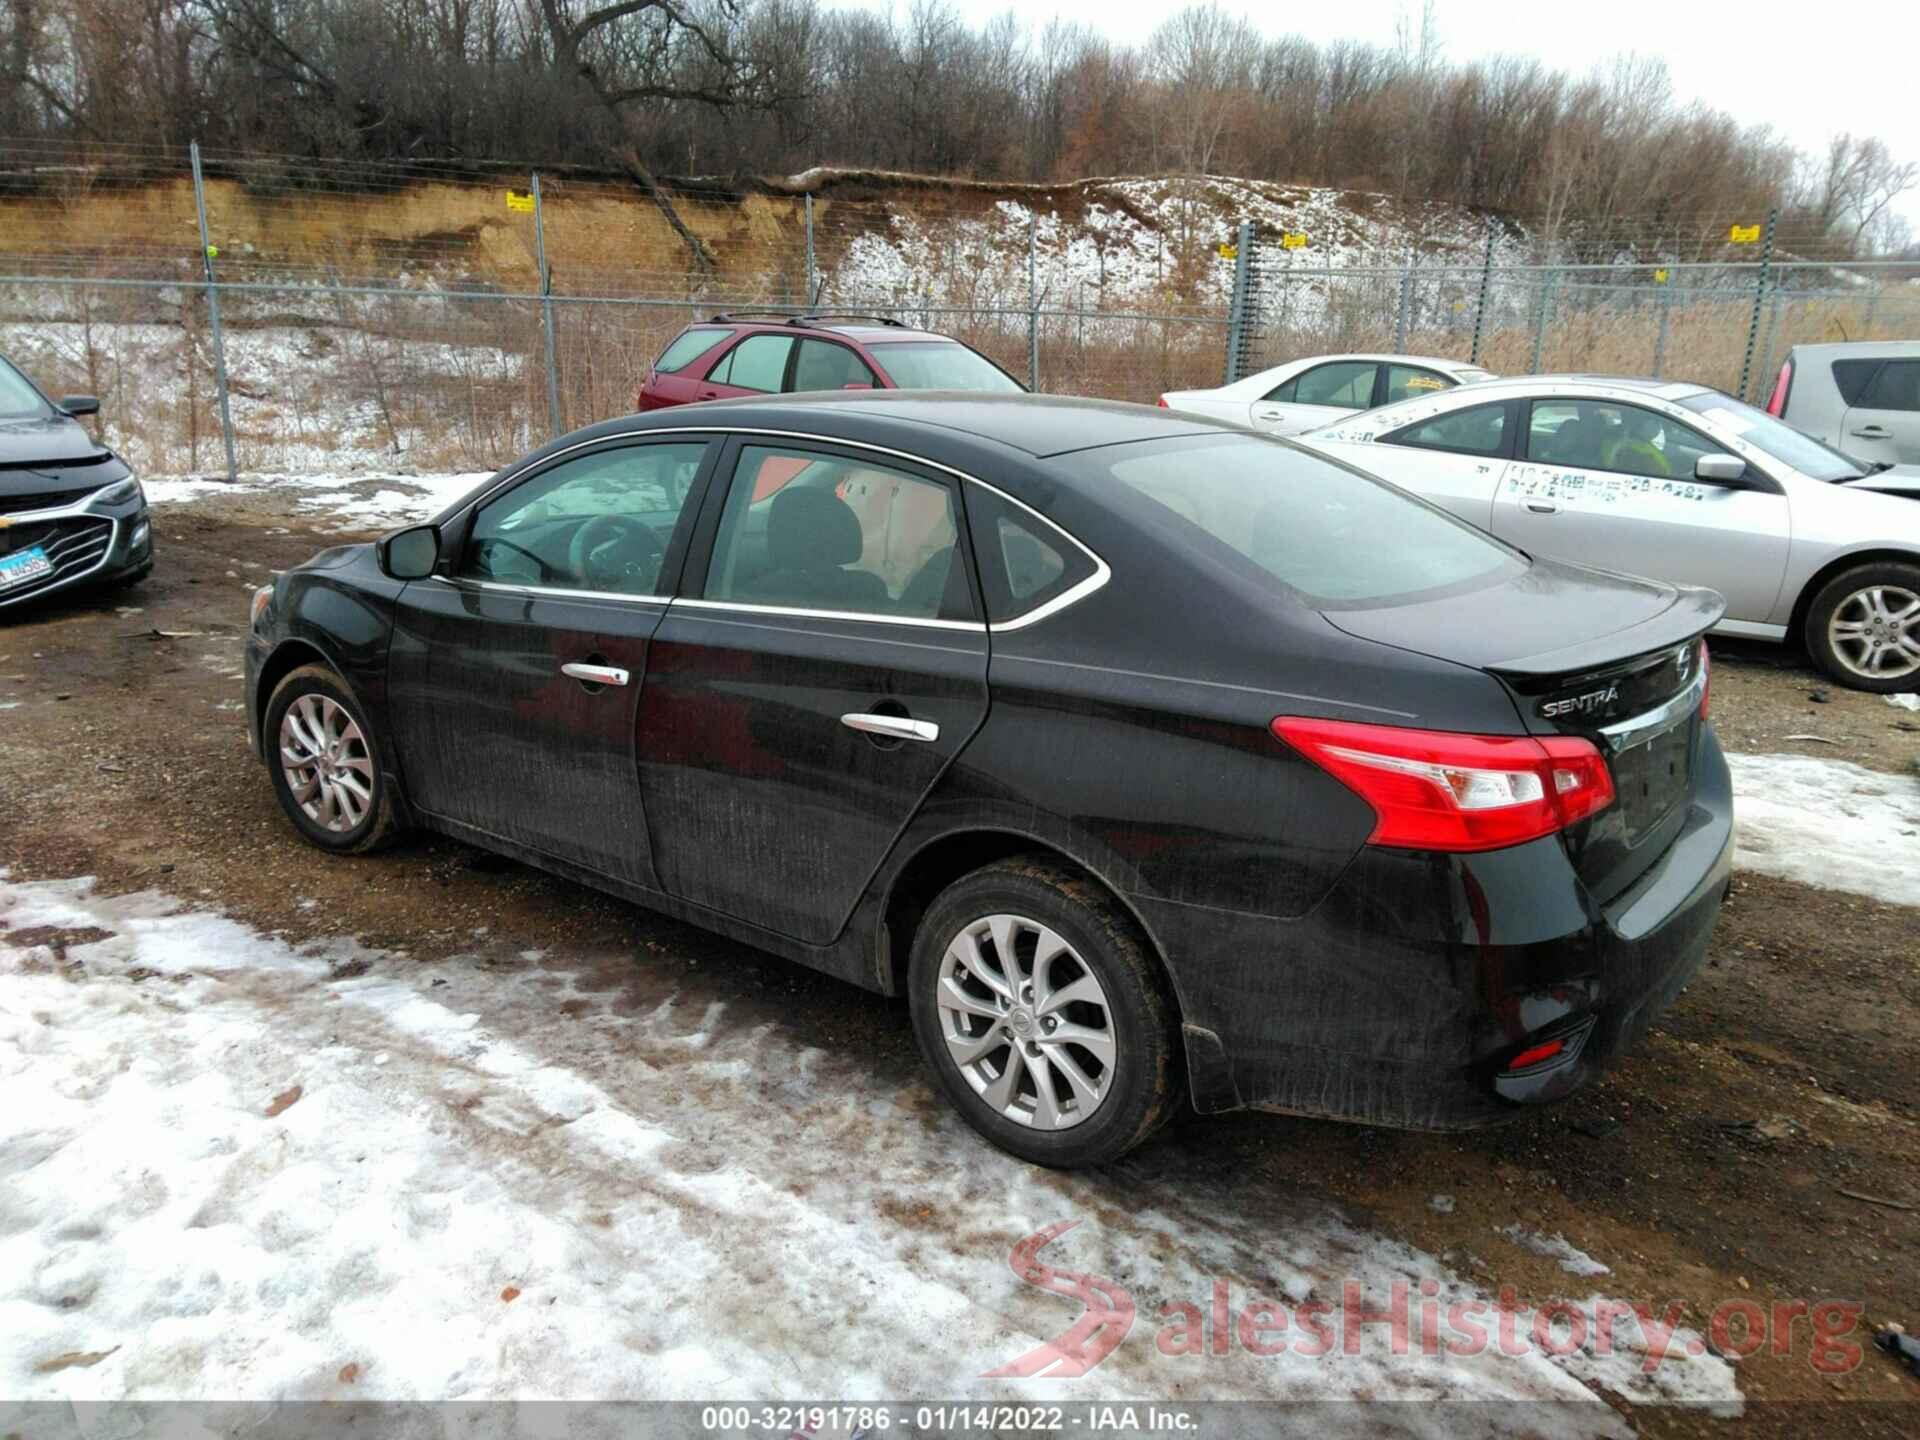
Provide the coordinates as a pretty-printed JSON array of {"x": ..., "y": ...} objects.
[
  {"x": 1102, "y": 572},
  {"x": 1638, "y": 729},
  {"x": 556, "y": 592},
  {"x": 865, "y": 617}
]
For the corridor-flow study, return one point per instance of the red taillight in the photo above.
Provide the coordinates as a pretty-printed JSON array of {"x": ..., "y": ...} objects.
[
  {"x": 1777, "y": 402},
  {"x": 1435, "y": 790},
  {"x": 1534, "y": 1054}
]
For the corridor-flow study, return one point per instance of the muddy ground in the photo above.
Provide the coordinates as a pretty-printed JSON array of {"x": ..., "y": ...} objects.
[{"x": 1763, "y": 1145}]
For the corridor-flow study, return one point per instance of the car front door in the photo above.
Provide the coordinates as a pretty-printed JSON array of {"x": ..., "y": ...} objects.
[
  {"x": 516, "y": 673},
  {"x": 1611, "y": 484},
  {"x": 826, "y": 666},
  {"x": 1317, "y": 397},
  {"x": 1884, "y": 423}
]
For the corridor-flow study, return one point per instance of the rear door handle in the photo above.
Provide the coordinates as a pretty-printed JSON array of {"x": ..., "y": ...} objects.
[
  {"x": 594, "y": 674},
  {"x": 1872, "y": 432},
  {"x": 892, "y": 727}
]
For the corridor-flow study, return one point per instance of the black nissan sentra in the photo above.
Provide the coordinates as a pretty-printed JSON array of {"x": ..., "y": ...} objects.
[
  {"x": 1144, "y": 756},
  {"x": 71, "y": 513}
]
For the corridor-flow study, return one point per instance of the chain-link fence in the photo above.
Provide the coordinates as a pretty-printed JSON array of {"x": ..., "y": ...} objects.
[{"x": 274, "y": 314}]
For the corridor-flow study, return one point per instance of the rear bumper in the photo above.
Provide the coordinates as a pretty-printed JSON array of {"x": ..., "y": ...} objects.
[{"x": 1401, "y": 998}]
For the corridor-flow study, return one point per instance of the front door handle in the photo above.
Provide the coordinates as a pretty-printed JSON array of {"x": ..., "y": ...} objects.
[
  {"x": 892, "y": 727},
  {"x": 594, "y": 674},
  {"x": 1543, "y": 507},
  {"x": 1872, "y": 432}
]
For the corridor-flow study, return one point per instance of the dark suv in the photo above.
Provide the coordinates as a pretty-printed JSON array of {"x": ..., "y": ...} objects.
[{"x": 732, "y": 355}]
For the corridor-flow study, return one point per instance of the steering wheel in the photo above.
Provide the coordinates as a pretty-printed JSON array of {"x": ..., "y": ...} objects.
[
  {"x": 542, "y": 571},
  {"x": 616, "y": 552}
]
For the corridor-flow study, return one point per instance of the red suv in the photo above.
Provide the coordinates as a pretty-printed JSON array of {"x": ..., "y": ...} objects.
[{"x": 740, "y": 355}]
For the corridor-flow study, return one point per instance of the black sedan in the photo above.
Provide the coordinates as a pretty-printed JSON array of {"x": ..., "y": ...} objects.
[
  {"x": 71, "y": 513},
  {"x": 1143, "y": 755}
]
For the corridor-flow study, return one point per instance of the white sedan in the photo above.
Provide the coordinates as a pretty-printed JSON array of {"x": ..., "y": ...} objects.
[{"x": 1306, "y": 394}]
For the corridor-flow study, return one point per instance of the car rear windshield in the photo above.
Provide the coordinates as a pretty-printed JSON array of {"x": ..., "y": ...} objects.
[
  {"x": 941, "y": 365},
  {"x": 1775, "y": 438},
  {"x": 691, "y": 345},
  {"x": 18, "y": 399},
  {"x": 1335, "y": 538}
]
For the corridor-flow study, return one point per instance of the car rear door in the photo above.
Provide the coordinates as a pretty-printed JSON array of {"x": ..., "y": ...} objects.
[
  {"x": 1610, "y": 484},
  {"x": 1884, "y": 423},
  {"x": 515, "y": 675},
  {"x": 827, "y": 663},
  {"x": 1317, "y": 396},
  {"x": 757, "y": 365}
]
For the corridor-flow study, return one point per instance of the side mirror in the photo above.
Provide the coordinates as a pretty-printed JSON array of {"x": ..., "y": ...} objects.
[
  {"x": 78, "y": 405},
  {"x": 410, "y": 554},
  {"x": 1720, "y": 469}
]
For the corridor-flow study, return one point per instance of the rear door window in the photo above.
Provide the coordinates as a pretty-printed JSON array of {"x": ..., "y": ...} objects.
[
  {"x": 1851, "y": 378},
  {"x": 1896, "y": 387},
  {"x": 1481, "y": 430},
  {"x": 758, "y": 362},
  {"x": 824, "y": 365},
  {"x": 1406, "y": 381}
]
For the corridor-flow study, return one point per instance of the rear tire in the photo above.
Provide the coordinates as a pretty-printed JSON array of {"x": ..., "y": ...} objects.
[
  {"x": 1079, "y": 1009},
  {"x": 325, "y": 765},
  {"x": 1863, "y": 627}
]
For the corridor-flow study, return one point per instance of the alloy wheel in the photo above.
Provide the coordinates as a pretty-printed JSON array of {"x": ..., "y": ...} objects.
[
  {"x": 327, "y": 763},
  {"x": 1026, "y": 1022},
  {"x": 1875, "y": 632}
]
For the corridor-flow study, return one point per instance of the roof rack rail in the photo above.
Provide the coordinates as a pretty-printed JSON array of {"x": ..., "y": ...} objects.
[
  {"x": 815, "y": 317},
  {"x": 733, "y": 315}
]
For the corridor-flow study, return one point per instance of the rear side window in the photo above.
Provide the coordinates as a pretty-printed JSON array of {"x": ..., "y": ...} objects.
[
  {"x": 758, "y": 362},
  {"x": 691, "y": 345},
  {"x": 1896, "y": 387},
  {"x": 942, "y": 365},
  {"x": 1345, "y": 383},
  {"x": 1333, "y": 537},
  {"x": 1024, "y": 561},
  {"x": 1479, "y": 431},
  {"x": 1851, "y": 378}
]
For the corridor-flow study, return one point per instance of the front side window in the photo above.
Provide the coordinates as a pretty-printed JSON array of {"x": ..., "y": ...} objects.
[
  {"x": 810, "y": 530},
  {"x": 758, "y": 362},
  {"x": 823, "y": 365},
  {"x": 1896, "y": 387},
  {"x": 1406, "y": 381},
  {"x": 18, "y": 399},
  {"x": 691, "y": 345},
  {"x": 942, "y": 365},
  {"x": 598, "y": 522},
  {"x": 1335, "y": 538},
  {"x": 1481, "y": 430},
  {"x": 1607, "y": 435}
]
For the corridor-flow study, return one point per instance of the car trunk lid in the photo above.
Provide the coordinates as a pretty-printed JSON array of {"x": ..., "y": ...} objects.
[{"x": 1611, "y": 659}]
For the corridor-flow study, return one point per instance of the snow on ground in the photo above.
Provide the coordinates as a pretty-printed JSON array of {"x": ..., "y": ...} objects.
[
  {"x": 231, "y": 1167},
  {"x": 372, "y": 501},
  {"x": 1555, "y": 1247},
  {"x": 1828, "y": 823}
]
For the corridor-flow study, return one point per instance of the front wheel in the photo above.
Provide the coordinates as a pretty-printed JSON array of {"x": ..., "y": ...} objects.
[
  {"x": 325, "y": 769},
  {"x": 1863, "y": 627},
  {"x": 1042, "y": 1015}
]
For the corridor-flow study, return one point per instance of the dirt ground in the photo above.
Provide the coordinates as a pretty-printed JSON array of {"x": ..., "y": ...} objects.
[{"x": 1763, "y": 1145}]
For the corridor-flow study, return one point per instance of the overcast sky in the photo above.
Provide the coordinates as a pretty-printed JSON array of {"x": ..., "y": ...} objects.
[{"x": 1808, "y": 80}]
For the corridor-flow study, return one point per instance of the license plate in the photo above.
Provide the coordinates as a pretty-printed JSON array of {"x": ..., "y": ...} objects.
[{"x": 22, "y": 566}]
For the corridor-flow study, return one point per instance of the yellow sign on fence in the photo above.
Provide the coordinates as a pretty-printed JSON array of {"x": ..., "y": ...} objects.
[
  {"x": 1744, "y": 234},
  {"x": 1293, "y": 239},
  {"x": 1659, "y": 277},
  {"x": 520, "y": 200},
  {"x": 1228, "y": 250}
]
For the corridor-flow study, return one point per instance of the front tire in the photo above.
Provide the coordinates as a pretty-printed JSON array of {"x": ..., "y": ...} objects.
[
  {"x": 1043, "y": 1016},
  {"x": 326, "y": 770},
  {"x": 1863, "y": 627}
]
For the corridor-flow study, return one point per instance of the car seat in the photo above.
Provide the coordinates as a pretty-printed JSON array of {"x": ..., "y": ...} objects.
[{"x": 812, "y": 536}]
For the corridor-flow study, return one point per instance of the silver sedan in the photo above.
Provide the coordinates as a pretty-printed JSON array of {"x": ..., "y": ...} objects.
[
  {"x": 1679, "y": 483},
  {"x": 1303, "y": 394}
]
